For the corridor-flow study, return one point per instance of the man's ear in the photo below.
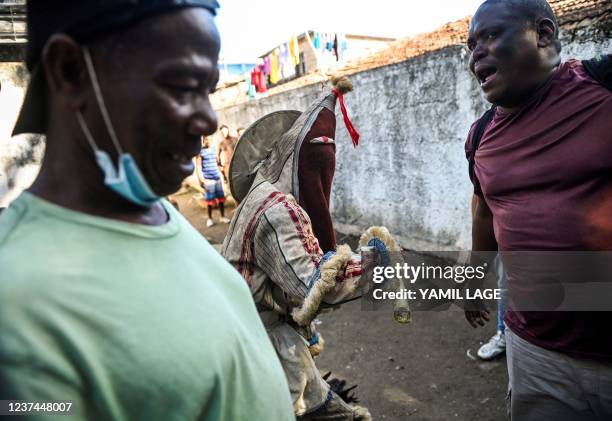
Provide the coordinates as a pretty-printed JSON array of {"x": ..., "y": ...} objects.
[
  {"x": 64, "y": 65},
  {"x": 546, "y": 32}
]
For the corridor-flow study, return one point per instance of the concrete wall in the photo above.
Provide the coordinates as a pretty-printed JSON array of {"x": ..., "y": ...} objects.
[{"x": 410, "y": 172}]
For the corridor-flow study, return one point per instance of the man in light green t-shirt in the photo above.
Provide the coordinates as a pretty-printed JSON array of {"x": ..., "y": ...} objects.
[{"x": 109, "y": 299}]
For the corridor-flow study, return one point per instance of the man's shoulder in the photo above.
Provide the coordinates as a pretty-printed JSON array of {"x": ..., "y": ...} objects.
[
  {"x": 470, "y": 134},
  {"x": 574, "y": 71},
  {"x": 20, "y": 228},
  {"x": 469, "y": 141},
  {"x": 31, "y": 254},
  {"x": 574, "y": 66}
]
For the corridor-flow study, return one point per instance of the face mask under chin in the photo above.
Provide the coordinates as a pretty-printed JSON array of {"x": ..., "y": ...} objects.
[{"x": 125, "y": 178}]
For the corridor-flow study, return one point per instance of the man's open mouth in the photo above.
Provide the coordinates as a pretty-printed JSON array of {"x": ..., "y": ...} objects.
[{"x": 485, "y": 73}]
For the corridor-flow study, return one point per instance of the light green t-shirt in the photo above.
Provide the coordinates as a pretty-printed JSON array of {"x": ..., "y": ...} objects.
[{"x": 131, "y": 322}]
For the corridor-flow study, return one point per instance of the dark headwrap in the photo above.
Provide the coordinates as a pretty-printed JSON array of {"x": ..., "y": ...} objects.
[{"x": 317, "y": 164}]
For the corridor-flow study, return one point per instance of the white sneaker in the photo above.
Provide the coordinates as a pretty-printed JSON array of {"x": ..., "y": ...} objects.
[
  {"x": 496, "y": 346},
  {"x": 210, "y": 222},
  {"x": 224, "y": 220}
]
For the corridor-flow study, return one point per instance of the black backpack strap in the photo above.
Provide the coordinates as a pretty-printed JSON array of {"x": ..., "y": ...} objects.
[
  {"x": 600, "y": 69},
  {"x": 482, "y": 124}
]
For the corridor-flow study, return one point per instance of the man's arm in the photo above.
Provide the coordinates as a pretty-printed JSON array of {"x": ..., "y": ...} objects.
[
  {"x": 220, "y": 150},
  {"x": 199, "y": 170},
  {"x": 483, "y": 240}
]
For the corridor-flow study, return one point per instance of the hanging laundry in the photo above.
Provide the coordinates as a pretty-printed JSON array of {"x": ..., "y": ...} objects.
[
  {"x": 248, "y": 78},
  {"x": 316, "y": 41},
  {"x": 288, "y": 66},
  {"x": 281, "y": 60},
  {"x": 343, "y": 46},
  {"x": 336, "y": 47},
  {"x": 254, "y": 78},
  {"x": 294, "y": 50},
  {"x": 329, "y": 46},
  {"x": 327, "y": 51},
  {"x": 267, "y": 66},
  {"x": 263, "y": 80},
  {"x": 258, "y": 79},
  {"x": 274, "y": 68}
]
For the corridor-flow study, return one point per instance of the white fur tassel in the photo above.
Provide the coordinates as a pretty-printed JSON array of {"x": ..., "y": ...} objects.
[
  {"x": 330, "y": 270},
  {"x": 381, "y": 233},
  {"x": 362, "y": 413},
  {"x": 401, "y": 308}
]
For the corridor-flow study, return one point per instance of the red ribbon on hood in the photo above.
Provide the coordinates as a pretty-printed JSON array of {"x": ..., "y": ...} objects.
[{"x": 347, "y": 121}]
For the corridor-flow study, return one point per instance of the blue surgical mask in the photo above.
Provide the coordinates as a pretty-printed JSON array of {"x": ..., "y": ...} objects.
[{"x": 127, "y": 180}]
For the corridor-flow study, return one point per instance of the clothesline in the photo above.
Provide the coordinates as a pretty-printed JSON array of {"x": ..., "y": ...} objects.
[{"x": 287, "y": 61}]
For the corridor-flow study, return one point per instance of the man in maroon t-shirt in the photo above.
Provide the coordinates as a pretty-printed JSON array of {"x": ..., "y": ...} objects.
[{"x": 544, "y": 167}]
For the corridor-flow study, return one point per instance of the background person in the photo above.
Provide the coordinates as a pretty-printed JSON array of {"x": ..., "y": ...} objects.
[
  {"x": 239, "y": 132},
  {"x": 225, "y": 151},
  {"x": 496, "y": 345}
]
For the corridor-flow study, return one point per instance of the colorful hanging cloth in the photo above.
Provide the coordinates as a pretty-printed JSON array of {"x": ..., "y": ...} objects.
[
  {"x": 294, "y": 50},
  {"x": 274, "y": 70}
]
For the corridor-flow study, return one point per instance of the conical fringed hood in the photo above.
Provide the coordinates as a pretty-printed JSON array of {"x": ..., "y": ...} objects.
[{"x": 269, "y": 148}]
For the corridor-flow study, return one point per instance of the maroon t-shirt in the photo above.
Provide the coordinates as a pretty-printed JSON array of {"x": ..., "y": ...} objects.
[{"x": 546, "y": 174}]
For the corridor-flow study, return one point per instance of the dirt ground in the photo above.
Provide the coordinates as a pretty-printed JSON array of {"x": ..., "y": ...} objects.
[{"x": 415, "y": 372}]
